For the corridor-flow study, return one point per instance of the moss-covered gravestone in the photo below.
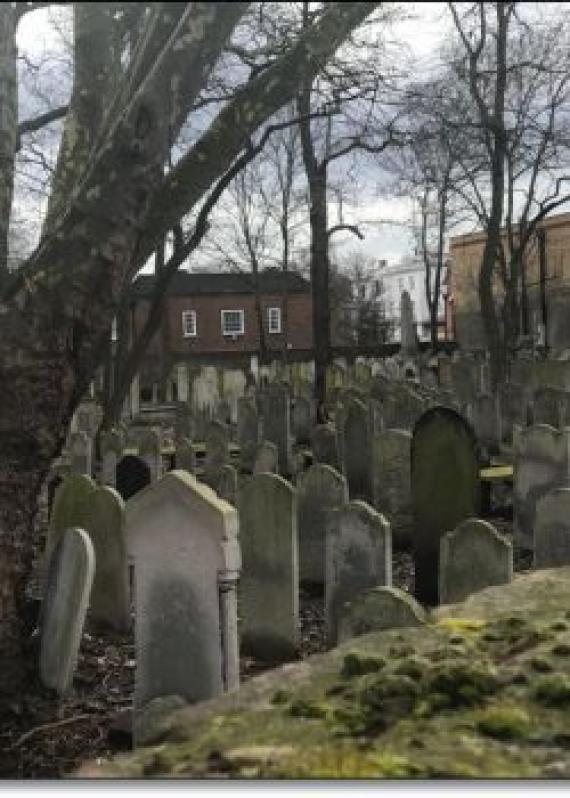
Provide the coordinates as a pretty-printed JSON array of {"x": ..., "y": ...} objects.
[
  {"x": 269, "y": 585},
  {"x": 445, "y": 490},
  {"x": 71, "y": 507},
  {"x": 376, "y": 610}
]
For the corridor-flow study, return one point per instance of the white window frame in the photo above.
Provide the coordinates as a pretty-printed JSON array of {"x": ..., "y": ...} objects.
[
  {"x": 189, "y": 314},
  {"x": 222, "y": 321},
  {"x": 274, "y": 328}
]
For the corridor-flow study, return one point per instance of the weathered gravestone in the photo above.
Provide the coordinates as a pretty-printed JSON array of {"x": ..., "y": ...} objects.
[
  {"x": 486, "y": 421},
  {"x": 540, "y": 464},
  {"x": 391, "y": 481},
  {"x": 111, "y": 447},
  {"x": 324, "y": 445},
  {"x": 247, "y": 432},
  {"x": 375, "y": 415},
  {"x": 183, "y": 422},
  {"x": 552, "y": 530},
  {"x": 277, "y": 424},
  {"x": 320, "y": 489},
  {"x": 65, "y": 602},
  {"x": 71, "y": 507},
  {"x": 150, "y": 453},
  {"x": 445, "y": 490},
  {"x": 301, "y": 419},
  {"x": 269, "y": 585},
  {"x": 80, "y": 453},
  {"x": 228, "y": 484},
  {"x": 513, "y": 409},
  {"x": 133, "y": 474},
  {"x": 185, "y": 457},
  {"x": 409, "y": 338},
  {"x": 358, "y": 556},
  {"x": 266, "y": 458},
  {"x": 105, "y": 524},
  {"x": 472, "y": 557},
  {"x": 378, "y": 609},
  {"x": 357, "y": 450},
  {"x": 217, "y": 452},
  {"x": 184, "y": 543}
]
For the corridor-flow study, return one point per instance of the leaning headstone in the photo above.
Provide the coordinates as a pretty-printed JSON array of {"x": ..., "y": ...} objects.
[
  {"x": 378, "y": 609},
  {"x": 472, "y": 557},
  {"x": 358, "y": 556},
  {"x": 217, "y": 451},
  {"x": 445, "y": 490},
  {"x": 540, "y": 464},
  {"x": 185, "y": 456},
  {"x": 150, "y": 453},
  {"x": 80, "y": 453},
  {"x": 277, "y": 425},
  {"x": 319, "y": 490},
  {"x": 357, "y": 450},
  {"x": 184, "y": 542},
  {"x": 106, "y": 528},
  {"x": 71, "y": 507},
  {"x": 64, "y": 606},
  {"x": 301, "y": 419},
  {"x": 324, "y": 446},
  {"x": 269, "y": 586},
  {"x": 391, "y": 481},
  {"x": 552, "y": 530},
  {"x": 228, "y": 484},
  {"x": 247, "y": 432},
  {"x": 266, "y": 458}
]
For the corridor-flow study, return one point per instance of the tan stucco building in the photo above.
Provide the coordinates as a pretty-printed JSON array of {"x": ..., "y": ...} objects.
[{"x": 548, "y": 296}]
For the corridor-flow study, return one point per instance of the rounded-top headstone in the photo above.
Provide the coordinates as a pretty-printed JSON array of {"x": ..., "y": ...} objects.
[{"x": 378, "y": 609}]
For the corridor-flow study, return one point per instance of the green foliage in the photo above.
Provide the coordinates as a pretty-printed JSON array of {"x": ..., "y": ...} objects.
[
  {"x": 504, "y": 722},
  {"x": 552, "y": 690},
  {"x": 355, "y": 664}
]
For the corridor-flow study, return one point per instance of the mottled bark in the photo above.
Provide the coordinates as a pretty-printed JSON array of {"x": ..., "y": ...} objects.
[{"x": 8, "y": 126}]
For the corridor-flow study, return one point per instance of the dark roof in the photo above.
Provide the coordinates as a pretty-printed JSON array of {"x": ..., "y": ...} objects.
[{"x": 271, "y": 281}]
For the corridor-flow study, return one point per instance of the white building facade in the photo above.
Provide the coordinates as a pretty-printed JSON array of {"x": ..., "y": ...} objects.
[{"x": 409, "y": 275}]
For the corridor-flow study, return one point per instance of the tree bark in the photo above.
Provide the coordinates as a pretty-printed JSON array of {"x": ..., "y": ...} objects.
[{"x": 8, "y": 126}]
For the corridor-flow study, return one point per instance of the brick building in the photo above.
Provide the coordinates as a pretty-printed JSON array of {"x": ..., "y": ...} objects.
[
  {"x": 544, "y": 289},
  {"x": 211, "y": 319}
]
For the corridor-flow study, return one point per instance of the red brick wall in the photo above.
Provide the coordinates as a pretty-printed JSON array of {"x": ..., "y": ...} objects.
[{"x": 209, "y": 337}]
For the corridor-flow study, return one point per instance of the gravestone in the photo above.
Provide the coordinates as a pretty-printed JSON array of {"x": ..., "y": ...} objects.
[
  {"x": 185, "y": 457},
  {"x": 183, "y": 422},
  {"x": 320, "y": 489},
  {"x": 324, "y": 445},
  {"x": 357, "y": 450},
  {"x": 472, "y": 557},
  {"x": 247, "y": 432},
  {"x": 184, "y": 542},
  {"x": 228, "y": 484},
  {"x": 546, "y": 407},
  {"x": 552, "y": 530},
  {"x": 375, "y": 415},
  {"x": 269, "y": 585},
  {"x": 358, "y": 556},
  {"x": 445, "y": 490},
  {"x": 150, "y": 453},
  {"x": 486, "y": 421},
  {"x": 378, "y": 609},
  {"x": 105, "y": 524},
  {"x": 391, "y": 481},
  {"x": 409, "y": 338},
  {"x": 540, "y": 464},
  {"x": 277, "y": 425},
  {"x": 133, "y": 474},
  {"x": 217, "y": 452},
  {"x": 71, "y": 507},
  {"x": 64, "y": 606},
  {"x": 266, "y": 458},
  {"x": 80, "y": 453},
  {"x": 513, "y": 409},
  {"x": 111, "y": 447},
  {"x": 301, "y": 419}
]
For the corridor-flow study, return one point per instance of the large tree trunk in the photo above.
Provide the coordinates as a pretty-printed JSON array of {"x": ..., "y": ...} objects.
[{"x": 8, "y": 126}]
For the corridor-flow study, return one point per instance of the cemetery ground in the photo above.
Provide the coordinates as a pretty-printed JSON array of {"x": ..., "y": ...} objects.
[{"x": 47, "y": 736}]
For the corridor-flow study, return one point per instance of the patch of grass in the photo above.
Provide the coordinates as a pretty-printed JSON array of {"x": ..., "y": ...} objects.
[
  {"x": 459, "y": 625},
  {"x": 355, "y": 664},
  {"x": 463, "y": 684},
  {"x": 280, "y": 697},
  {"x": 561, "y": 650},
  {"x": 541, "y": 665},
  {"x": 414, "y": 667}
]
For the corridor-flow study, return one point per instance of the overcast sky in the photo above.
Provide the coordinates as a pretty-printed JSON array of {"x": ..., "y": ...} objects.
[{"x": 384, "y": 220}]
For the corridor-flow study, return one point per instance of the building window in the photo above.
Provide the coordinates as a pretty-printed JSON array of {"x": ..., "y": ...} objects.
[
  {"x": 274, "y": 320},
  {"x": 189, "y": 323},
  {"x": 232, "y": 322}
]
